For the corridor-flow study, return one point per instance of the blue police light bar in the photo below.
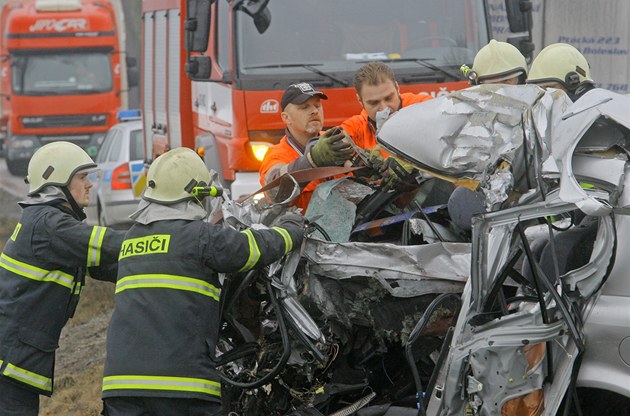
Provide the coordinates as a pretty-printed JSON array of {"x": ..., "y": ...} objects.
[{"x": 126, "y": 115}]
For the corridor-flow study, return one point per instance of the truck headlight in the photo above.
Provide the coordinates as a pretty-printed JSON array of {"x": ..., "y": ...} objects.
[
  {"x": 22, "y": 143},
  {"x": 259, "y": 149}
]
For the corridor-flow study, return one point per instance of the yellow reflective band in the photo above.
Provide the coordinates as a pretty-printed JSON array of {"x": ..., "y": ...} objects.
[
  {"x": 130, "y": 382},
  {"x": 167, "y": 281},
  {"x": 254, "y": 251},
  {"x": 78, "y": 288},
  {"x": 28, "y": 377},
  {"x": 16, "y": 231},
  {"x": 288, "y": 242},
  {"x": 150, "y": 244},
  {"x": 94, "y": 247},
  {"x": 35, "y": 273}
]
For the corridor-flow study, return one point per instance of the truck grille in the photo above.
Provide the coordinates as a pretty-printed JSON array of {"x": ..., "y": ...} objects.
[{"x": 75, "y": 120}]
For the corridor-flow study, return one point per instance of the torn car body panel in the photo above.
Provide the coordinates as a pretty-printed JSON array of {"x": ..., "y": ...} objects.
[{"x": 572, "y": 158}]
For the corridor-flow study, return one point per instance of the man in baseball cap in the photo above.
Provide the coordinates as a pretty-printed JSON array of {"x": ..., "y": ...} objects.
[
  {"x": 304, "y": 145},
  {"x": 299, "y": 93}
]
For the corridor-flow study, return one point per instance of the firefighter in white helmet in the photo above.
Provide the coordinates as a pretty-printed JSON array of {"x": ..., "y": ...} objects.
[
  {"x": 42, "y": 272},
  {"x": 497, "y": 63},
  {"x": 562, "y": 66},
  {"x": 164, "y": 329}
]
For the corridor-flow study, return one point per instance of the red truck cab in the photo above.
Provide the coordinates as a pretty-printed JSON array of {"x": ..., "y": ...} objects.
[
  {"x": 215, "y": 70},
  {"x": 61, "y": 75}
]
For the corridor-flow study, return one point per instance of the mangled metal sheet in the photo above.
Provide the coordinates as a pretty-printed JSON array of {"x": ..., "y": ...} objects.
[
  {"x": 470, "y": 130},
  {"x": 488, "y": 370},
  {"x": 597, "y": 127},
  {"x": 405, "y": 271}
]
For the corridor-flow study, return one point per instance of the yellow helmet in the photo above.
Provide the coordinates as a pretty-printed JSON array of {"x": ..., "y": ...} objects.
[
  {"x": 172, "y": 176},
  {"x": 55, "y": 164},
  {"x": 563, "y": 63},
  {"x": 498, "y": 61}
]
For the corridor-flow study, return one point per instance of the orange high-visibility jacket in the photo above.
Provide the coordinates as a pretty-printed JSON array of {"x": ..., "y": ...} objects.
[{"x": 363, "y": 133}]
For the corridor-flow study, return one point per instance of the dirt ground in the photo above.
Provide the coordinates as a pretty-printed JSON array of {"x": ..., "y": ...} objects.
[{"x": 79, "y": 362}]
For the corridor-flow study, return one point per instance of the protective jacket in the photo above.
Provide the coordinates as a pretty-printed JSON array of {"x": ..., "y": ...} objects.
[
  {"x": 287, "y": 153},
  {"x": 42, "y": 271},
  {"x": 162, "y": 336},
  {"x": 362, "y": 129}
]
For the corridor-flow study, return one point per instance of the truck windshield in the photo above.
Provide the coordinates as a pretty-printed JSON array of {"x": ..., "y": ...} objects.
[
  {"x": 334, "y": 36},
  {"x": 61, "y": 73}
]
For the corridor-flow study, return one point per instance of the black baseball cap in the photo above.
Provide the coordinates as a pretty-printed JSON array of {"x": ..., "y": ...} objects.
[{"x": 299, "y": 93}]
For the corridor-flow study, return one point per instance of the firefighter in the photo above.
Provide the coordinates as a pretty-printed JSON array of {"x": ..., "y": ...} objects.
[
  {"x": 562, "y": 66},
  {"x": 42, "y": 272},
  {"x": 497, "y": 63},
  {"x": 164, "y": 329},
  {"x": 304, "y": 145}
]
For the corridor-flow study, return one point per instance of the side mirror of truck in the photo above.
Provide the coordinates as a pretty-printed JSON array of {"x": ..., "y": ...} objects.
[
  {"x": 519, "y": 13},
  {"x": 133, "y": 77},
  {"x": 131, "y": 61},
  {"x": 198, "y": 67},
  {"x": 197, "y": 26},
  {"x": 257, "y": 9},
  {"x": 523, "y": 44}
]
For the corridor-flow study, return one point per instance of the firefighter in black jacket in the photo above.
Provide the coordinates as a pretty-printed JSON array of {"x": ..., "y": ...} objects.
[
  {"x": 42, "y": 271},
  {"x": 162, "y": 336}
]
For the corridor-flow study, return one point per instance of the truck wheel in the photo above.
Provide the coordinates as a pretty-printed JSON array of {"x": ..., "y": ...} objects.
[{"x": 17, "y": 167}]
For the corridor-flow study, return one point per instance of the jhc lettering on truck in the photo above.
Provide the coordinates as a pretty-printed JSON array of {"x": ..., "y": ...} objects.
[{"x": 63, "y": 74}]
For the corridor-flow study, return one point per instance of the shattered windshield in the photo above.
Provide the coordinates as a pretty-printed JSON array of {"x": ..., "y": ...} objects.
[
  {"x": 340, "y": 35},
  {"x": 62, "y": 73}
]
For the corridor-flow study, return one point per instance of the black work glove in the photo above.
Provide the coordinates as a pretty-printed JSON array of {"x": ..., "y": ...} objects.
[
  {"x": 331, "y": 149},
  {"x": 295, "y": 224}
]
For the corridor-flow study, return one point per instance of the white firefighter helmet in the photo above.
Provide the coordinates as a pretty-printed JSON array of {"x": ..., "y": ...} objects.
[
  {"x": 172, "y": 176},
  {"x": 562, "y": 63},
  {"x": 498, "y": 61},
  {"x": 55, "y": 164}
]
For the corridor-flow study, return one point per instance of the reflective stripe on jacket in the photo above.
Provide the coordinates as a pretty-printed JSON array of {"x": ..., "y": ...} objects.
[
  {"x": 42, "y": 272},
  {"x": 162, "y": 336}
]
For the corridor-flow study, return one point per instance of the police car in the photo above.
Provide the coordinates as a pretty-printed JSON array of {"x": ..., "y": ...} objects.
[{"x": 118, "y": 184}]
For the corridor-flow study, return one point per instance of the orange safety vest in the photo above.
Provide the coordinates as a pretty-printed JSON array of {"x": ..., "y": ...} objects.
[
  {"x": 284, "y": 153},
  {"x": 363, "y": 133}
]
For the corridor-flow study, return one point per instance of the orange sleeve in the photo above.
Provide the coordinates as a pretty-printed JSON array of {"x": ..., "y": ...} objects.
[
  {"x": 282, "y": 153},
  {"x": 359, "y": 129}
]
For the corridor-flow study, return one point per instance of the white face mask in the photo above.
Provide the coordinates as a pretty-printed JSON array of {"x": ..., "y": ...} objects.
[{"x": 381, "y": 117}]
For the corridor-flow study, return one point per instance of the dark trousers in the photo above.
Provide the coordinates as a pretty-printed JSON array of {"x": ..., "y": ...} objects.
[
  {"x": 17, "y": 401},
  {"x": 156, "y": 406}
]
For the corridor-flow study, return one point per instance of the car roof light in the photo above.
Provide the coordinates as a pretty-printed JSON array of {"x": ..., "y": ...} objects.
[{"x": 127, "y": 115}]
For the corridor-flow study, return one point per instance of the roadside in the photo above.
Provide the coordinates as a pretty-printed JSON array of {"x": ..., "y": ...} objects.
[{"x": 79, "y": 363}]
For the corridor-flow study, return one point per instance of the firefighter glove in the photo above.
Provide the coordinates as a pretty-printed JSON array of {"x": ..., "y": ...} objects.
[
  {"x": 295, "y": 224},
  {"x": 374, "y": 158},
  {"x": 331, "y": 149},
  {"x": 396, "y": 172}
]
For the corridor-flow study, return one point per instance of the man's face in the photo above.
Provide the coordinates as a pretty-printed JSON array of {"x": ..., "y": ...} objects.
[
  {"x": 80, "y": 189},
  {"x": 375, "y": 98},
  {"x": 304, "y": 120}
]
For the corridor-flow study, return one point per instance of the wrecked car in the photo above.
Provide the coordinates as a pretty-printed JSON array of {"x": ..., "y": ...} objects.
[{"x": 493, "y": 283}]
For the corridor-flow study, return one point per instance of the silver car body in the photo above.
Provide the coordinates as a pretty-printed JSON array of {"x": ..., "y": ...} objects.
[
  {"x": 120, "y": 161},
  {"x": 563, "y": 157}
]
